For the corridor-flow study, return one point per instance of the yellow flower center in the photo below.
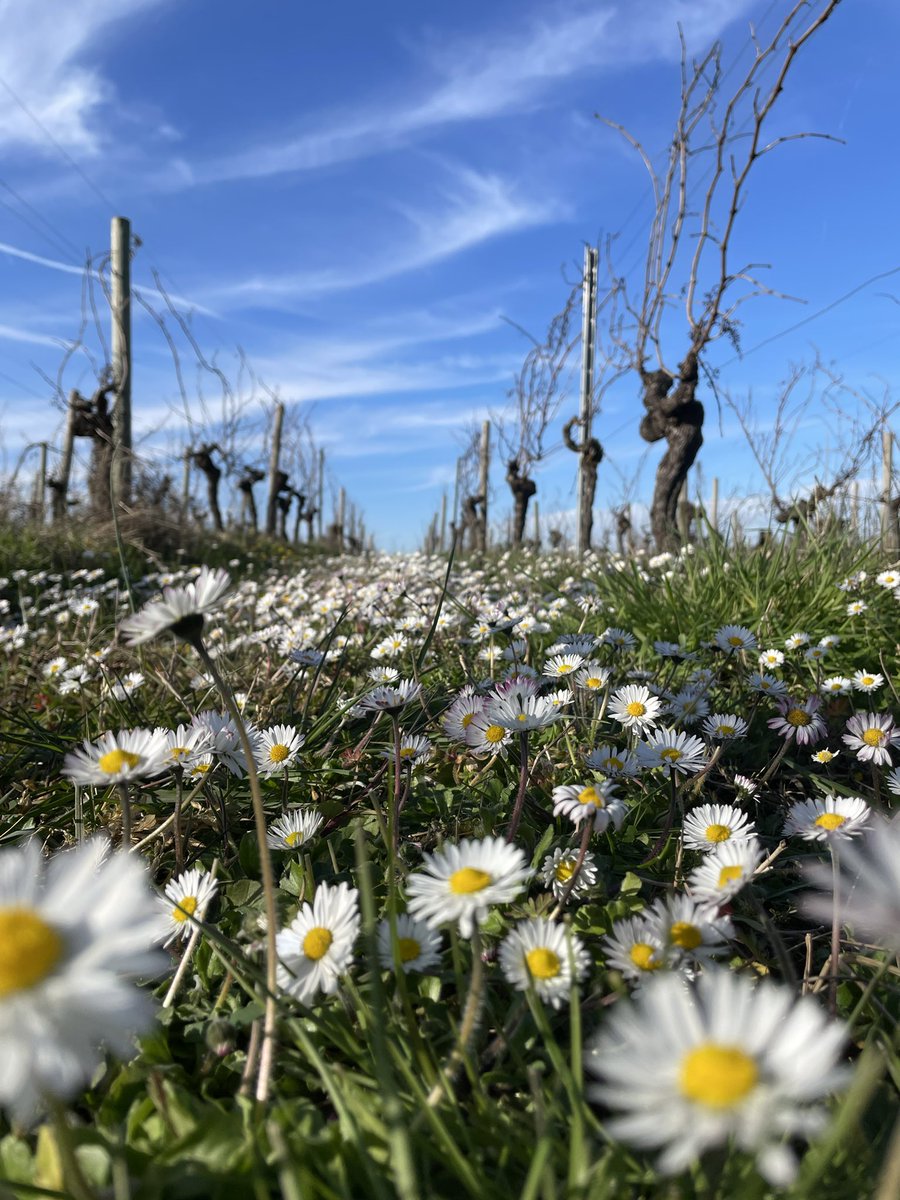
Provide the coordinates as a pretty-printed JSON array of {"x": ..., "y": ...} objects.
[
  {"x": 114, "y": 761},
  {"x": 408, "y": 949},
  {"x": 186, "y": 907},
  {"x": 671, "y": 754},
  {"x": 717, "y": 1076},
  {"x": 521, "y": 716},
  {"x": 317, "y": 942},
  {"x": 797, "y": 716},
  {"x": 408, "y": 752},
  {"x": 717, "y": 833},
  {"x": 868, "y": 680},
  {"x": 685, "y": 935},
  {"x": 543, "y": 963},
  {"x": 564, "y": 871},
  {"x": 642, "y": 955},
  {"x": 823, "y": 756},
  {"x": 593, "y": 682},
  {"x": 635, "y": 708},
  {"x": 29, "y": 949},
  {"x": 293, "y": 839},
  {"x": 278, "y": 752},
  {"x": 201, "y": 768},
  {"x": 468, "y": 880},
  {"x": 725, "y": 730},
  {"x": 564, "y": 668},
  {"x": 614, "y": 764},
  {"x": 590, "y": 795},
  {"x": 729, "y": 874},
  {"x": 873, "y": 737},
  {"x": 495, "y": 734},
  {"x": 179, "y": 752},
  {"x": 467, "y": 720},
  {"x": 734, "y": 640},
  {"x": 830, "y": 820}
]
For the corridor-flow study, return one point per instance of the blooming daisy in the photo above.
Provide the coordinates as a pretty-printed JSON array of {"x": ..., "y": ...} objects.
[
  {"x": 771, "y": 658},
  {"x": 558, "y": 868},
  {"x": 688, "y": 706},
  {"x": 798, "y": 720},
  {"x": 689, "y": 930},
  {"x": 596, "y": 802},
  {"x": 378, "y": 675},
  {"x": 709, "y": 825},
  {"x": 186, "y": 743},
  {"x": 732, "y": 638},
  {"x": 418, "y": 947},
  {"x": 692, "y": 1066},
  {"x": 117, "y": 757},
  {"x": 609, "y": 760},
  {"x": 636, "y": 947},
  {"x": 768, "y": 685},
  {"x": 459, "y": 715},
  {"x": 461, "y": 883},
  {"x": 835, "y": 685},
  {"x": 391, "y": 699},
  {"x": 826, "y": 818},
  {"x": 185, "y": 902},
  {"x": 293, "y": 830},
  {"x": 796, "y": 640},
  {"x": 181, "y": 611},
  {"x": 871, "y": 735},
  {"x": 317, "y": 947},
  {"x": 824, "y": 756},
  {"x": 592, "y": 677},
  {"x": 277, "y": 749},
  {"x": 620, "y": 639},
  {"x": 673, "y": 752},
  {"x": 543, "y": 955},
  {"x": 888, "y": 579},
  {"x": 866, "y": 681},
  {"x": 520, "y": 712},
  {"x": 485, "y": 736},
  {"x": 226, "y": 742},
  {"x": 725, "y": 870},
  {"x": 725, "y": 727},
  {"x": 634, "y": 707},
  {"x": 70, "y": 936},
  {"x": 561, "y": 665},
  {"x": 893, "y": 781}
]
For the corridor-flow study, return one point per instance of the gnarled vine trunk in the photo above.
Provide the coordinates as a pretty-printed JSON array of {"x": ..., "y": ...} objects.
[{"x": 673, "y": 413}]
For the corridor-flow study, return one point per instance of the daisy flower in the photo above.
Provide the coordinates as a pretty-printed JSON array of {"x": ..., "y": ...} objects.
[
  {"x": 636, "y": 947},
  {"x": 835, "y": 685},
  {"x": 866, "y": 681},
  {"x": 520, "y": 712},
  {"x": 724, "y": 872},
  {"x": 54, "y": 667},
  {"x": 293, "y": 830},
  {"x": 70, "y": 936},
  {"x": 226, "y": 742},
  {"x": 798, "y": 720},
  {"x": 832, "y": 817},
  {"x": 418, "y": 947},
  {"x": 692, "y": 1067},
  {"x": 796, "y": 640},
  {"x": 732, "y": 638},
  {"x": 824, "y": 756},
  {"x": 888, "y": 579},
  {"x": 117, "y": 757},
  {"x": 768, "y": 685},
  {"x": 675, "y": 753},
  {"x": 871, "y": 735},
  {"x": 709, "y": 825},
  {"x": 592, "y": 677},
  {"x": 558, "y": 868},
  {"x": 185, "y": 902},
  {"x": 185, "y": 744},
  {"x": 689, "y": 930},
  {"x": 277, "y": 749},
  {"x": 634, "y": 707},
  {"x": 620, "y": 639},
  {"x": 688, "y": 706},
  {"x": 317, "y": 947},
  {"x": 609, "y": 760},
  {"x": 460, "y": 714},
  {"x": 893, "y": 782},
  {"x": 181, "y": 611},
  {"x": 724, "y": 727},
  {"x": 869, "y": 885},
  {"x": 771, "y": 659},
  {"x": 413, "y": 749},
  {"x": 485, "y": 736},
  {"x": 543, "y": 955},
  {"x": 461, "y": 883},
  {"x": 745, "y": 787},
  {"x": 856, "y": 607},
  {"x": 595, "y": 802},
  {"x": 561, "y": 665},
  {"x": 391, "y": 699}
]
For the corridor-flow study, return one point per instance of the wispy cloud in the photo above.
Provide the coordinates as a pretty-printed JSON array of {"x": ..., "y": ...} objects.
[
  {"x": 498, "y": 74},
  {"x": 473, "y": 208},
  {"x": 42, "y": 64}
]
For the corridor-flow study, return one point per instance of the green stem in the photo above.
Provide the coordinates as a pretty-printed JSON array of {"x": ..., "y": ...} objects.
[
  {"x": 523, "y": 781},
  {"x": 267, "y": 1054},
  {"x": 73, "y": 1176}
]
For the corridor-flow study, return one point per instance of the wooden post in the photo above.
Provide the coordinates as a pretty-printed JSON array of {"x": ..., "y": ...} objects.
[
  {"x": 274, "y": 456},
  {"x": 854, "y": 510},
  {"x": 483, "y": 476},
  {"x": 456, "y": 488},
  {"x": 60, "y": 482},
  {"x": 320, "y": 516},
  {"x": 588, "y": 333},
  {"x": 342, "y": 503},
  {"x": 714, "y": 506},
  {"x": 888, "y": 511},
  {"x": 683, "y": 513},
  {"x": 537, "y": 525},
  {"x": 186, "y": 485},
  {"x": 40, "y": 486},
  {"x": 120, "y": 280},
  {"x": 442, "y": 536}
]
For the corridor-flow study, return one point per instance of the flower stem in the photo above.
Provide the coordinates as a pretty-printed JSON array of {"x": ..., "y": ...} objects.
[
  {"x": 467, "y": 1027},
  {"x": 835, "y": 931},
  {"x": 586, "y": 832},
  {"x": 73, "y": 1176},
  {"x": 125, "y": 801},
  {"x": 395, "y": 805},
  {"x": 520, "y": 795},
  {"x": 267, "y": 1053}
]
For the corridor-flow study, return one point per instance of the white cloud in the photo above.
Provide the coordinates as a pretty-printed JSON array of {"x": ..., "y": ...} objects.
[
  {"x": 498, "y": 74},
  {"x": 42, "y": 55}
]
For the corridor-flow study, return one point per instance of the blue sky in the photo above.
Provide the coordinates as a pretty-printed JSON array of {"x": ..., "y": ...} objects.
[{"x": 357, "y": 195}]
